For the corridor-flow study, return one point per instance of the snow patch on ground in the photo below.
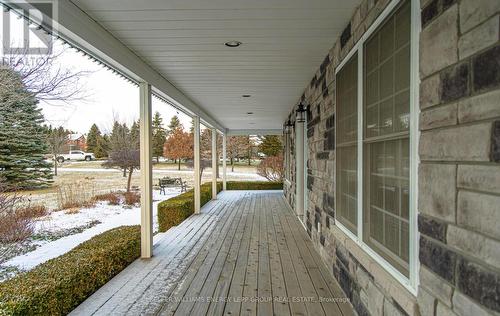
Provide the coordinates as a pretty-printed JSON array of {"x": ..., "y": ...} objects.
[{"x": 108, "y": 216}]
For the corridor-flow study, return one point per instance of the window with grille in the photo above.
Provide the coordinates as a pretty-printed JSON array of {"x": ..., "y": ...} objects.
[
  {"x": 347, "y": 135},
  {"x": 383, "y": 140}
]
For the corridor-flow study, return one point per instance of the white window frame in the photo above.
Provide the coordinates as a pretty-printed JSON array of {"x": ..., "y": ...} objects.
[{"x": 411, "y": 282}]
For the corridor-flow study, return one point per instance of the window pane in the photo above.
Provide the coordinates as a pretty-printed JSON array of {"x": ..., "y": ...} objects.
[
  {"x": 347, "y": 109},
  {"x": 347, "y": 181},
  {"x": 386, "y": 212},
  {"x": 387, "y": 76},
  {"x": 347, "y": 135},
  {"x": 386, "y": 125}
]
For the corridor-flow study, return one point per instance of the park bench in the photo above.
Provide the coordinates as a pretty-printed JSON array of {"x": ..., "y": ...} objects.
[{"x": 167, "y": 182}]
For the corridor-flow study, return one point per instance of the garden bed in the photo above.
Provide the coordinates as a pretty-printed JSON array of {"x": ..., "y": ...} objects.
[{"x": 57, "y": 286}]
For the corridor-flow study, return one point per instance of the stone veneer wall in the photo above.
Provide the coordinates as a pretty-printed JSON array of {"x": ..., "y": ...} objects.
[{"x": 459, "y": 173}]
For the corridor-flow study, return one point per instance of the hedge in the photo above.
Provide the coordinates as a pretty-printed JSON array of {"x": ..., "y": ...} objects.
[
  {"x": 59, "y": 285},
  {"x": 173, "y": 211},
  {"x": 254, "y": 185}
]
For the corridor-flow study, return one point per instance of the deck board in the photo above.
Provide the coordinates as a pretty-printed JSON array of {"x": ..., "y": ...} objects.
[{"x": 245, "y": 254}]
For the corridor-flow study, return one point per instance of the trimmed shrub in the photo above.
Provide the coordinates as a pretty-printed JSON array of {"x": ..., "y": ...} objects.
[
  {"x": 57, "y": 286},
  {"x": 173, "y": 211},
  {"x": 254, "y": 185}
]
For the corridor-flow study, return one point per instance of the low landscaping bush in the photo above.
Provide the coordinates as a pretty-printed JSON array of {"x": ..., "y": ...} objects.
[
  {"x": 173, "y": 211},
  {"x": 57, "y": 286},
  {"x": 254, "y": 185},
  {"x": 35, "y": 211},
  {"x": 76, "y": 194},
  {"x": 111, "y": 197},
  {"x": 17, "y": 216},
  {"x": 132, "y": 198}
]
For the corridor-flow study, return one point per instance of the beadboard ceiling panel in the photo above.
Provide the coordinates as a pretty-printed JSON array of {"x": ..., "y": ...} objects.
[{"x": 283, "y": 44}]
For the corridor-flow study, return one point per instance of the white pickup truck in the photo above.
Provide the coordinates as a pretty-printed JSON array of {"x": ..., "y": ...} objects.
[{"x": 75, "y": 155}]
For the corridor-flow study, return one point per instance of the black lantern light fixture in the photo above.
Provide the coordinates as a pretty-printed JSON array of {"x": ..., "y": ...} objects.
[
  {"x": 288, "y": 126},
  {"x": 301, "y": 113}
]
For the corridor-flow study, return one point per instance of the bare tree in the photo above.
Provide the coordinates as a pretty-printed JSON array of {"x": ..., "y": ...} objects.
[
  {"x": 56, "y": 140},
  {"x": 271, "y": 168},
  {"x": 204, "y": 163},
  {"x": 46, "y": 79},
  {"x": 125, "y": 159}
]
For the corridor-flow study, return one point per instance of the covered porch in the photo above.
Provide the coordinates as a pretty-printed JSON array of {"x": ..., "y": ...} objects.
[{"x": 245, "y": 253}]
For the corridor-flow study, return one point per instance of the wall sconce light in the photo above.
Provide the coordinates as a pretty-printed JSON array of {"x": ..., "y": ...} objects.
[
  {"x": 288, "y": 127},
  {"x": 301, "y": 113}
]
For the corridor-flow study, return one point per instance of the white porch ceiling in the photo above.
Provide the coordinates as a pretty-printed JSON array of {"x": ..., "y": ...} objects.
[{"x": 284, "y": 42}]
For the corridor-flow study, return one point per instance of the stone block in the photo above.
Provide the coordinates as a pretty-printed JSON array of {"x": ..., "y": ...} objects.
[
  {"x": 479, "y": 38},
  {"x": 429, "y": 12},
  {"x": 442, "y": 310},
  {"x": 439, "y": 43},
  {"x": 475, "y": 245},
  {"x": 465, "y": 306},
  {"x": 474, "y": 12},
  {"x": 480, "y": 284},
  {"x": 479, "y": 178},
  {"x": 430, "y": 91},
  {"x": 392, "y": 309},
  {"x": 479, "y": 107},
  {"x": 437, "y": 190},
  {"x": 426, "y": 302},
  {"x": 455, "y": 82},
  {"x": 486, "y": 69},
  {"x": 345, "y": 36},
  {"x": 375, "y": 300},
  {"x": 329, "y": 142},
  {"x": 439, "y": 117},
  {"x": 438, "y": 259},
  {"x": 495, "y": 142},
  {"x": 462, "y": 143},
  {"x": 439, "y": 288},
  {"x": 447, "y": 3},
  {"x": 432, "y": 228},
  {"x": 479, "y": 212}
]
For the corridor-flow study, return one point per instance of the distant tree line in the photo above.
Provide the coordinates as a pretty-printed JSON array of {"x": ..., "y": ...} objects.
[{"x": 26, "y": 143}]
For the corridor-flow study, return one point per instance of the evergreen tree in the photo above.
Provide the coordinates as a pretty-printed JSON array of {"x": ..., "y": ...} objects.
[
  {"x": 271, "y": 145},
  {"x": 22, "y": 139},
  {"x": 104, "y": 146},
  {"x": 175, "y": 123},
  {"x": 159, "y": 136},
  {"x": 119, "y": 141},
  {"x": 93, "y": 138},
  {"x": 135, "y": 134}
]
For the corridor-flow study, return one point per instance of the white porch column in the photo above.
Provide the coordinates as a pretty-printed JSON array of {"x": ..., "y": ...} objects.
[
  {"x": 299, "y": 164},
  {"x": 214, "y": 164},
  {"x": 146, "y": 171},
  {"x": 224, "y": 165},
  {"x": 197, "y": 180}
]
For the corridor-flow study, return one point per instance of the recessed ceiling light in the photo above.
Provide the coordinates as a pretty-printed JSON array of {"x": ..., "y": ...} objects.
[
  {"x": 232, "y": 43},
  {"x": 246, "y": 96}
]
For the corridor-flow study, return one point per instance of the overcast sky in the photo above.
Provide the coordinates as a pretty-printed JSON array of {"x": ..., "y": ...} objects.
[{"x": 109, "y": 95}]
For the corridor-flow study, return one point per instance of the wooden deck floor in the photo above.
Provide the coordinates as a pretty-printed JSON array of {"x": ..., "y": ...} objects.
[{"x": 246, "y": 254}]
